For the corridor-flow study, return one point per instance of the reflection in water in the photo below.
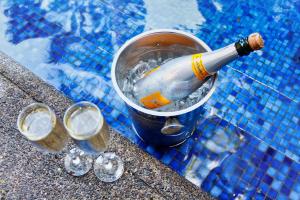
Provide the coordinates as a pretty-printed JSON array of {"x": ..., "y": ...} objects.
[
  {"x": 228, "y": 175},
  {"x": 228, "y": 178},
  {"x": 165, "y": 14},
  {"x": 217, "y": 143},
  {"x": 222, "y": 141},
  {"x": 219, "y": 164},
  {"x": 52, "y": 45},
  {"x": 218, "y": 5}
]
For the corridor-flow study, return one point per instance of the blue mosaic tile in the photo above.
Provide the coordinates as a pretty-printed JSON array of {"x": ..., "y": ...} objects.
[
  {"x": 238, "y": 167},
  {"x": 255, "y": 107},
  {"x": 274, "y": 126},
  {"x": 280, "y": 17}
]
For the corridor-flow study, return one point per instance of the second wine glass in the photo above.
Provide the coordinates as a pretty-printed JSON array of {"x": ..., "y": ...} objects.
[{"x": 86, "y": 125}]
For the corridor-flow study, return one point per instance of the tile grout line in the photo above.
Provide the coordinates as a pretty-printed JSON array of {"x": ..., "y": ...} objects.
[
  {"x": 263, "y": 84},
  {"x": 259, "y": 139}
]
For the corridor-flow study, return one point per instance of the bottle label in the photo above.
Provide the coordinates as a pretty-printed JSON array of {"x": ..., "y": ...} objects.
[
  {"x": 198, "y": 67},
  {"x": 154, "y": 100}
]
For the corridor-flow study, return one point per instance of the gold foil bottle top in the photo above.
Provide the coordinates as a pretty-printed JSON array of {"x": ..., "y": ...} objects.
[{"x": 255, "y": 41}]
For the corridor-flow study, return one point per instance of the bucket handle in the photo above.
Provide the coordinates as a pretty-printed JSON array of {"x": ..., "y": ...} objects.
[{"x": 171, "y": 126}]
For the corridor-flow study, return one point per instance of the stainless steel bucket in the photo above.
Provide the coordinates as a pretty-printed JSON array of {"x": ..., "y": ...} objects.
[{"x": 158, "y": 128}]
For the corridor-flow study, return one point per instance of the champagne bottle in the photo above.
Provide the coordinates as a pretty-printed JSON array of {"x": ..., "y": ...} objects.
[{"x": 181, "y": 76}]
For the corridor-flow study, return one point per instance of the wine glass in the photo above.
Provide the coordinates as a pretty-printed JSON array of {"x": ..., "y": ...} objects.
[
  {"x": 86, "y": 125},
  {"x": 38, "y": 123}
]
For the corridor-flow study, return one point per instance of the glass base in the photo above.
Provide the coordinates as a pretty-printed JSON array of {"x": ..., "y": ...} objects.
[
  {"x": 78, "y": 163},
  {"x": 108, "y": 167}
]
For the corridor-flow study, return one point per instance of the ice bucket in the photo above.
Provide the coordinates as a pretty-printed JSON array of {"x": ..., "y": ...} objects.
[{"x": 154, "y": 127}]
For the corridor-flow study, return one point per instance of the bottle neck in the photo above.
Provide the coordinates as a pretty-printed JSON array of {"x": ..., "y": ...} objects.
[{"x": 213, "y": 61}]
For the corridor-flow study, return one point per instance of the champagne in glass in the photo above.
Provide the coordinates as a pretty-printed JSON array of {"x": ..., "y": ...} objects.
[
  {"x": 38, "y": 123},
  {"x": 87, "y": 127}
]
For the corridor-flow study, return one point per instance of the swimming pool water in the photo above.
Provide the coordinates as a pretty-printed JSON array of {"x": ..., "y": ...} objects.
[{"x": 255, "y": 109}]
